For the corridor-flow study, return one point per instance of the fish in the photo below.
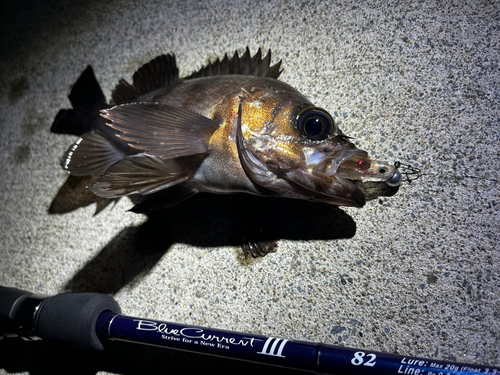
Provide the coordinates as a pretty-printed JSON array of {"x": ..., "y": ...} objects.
[{"x": 231, "y": 127}]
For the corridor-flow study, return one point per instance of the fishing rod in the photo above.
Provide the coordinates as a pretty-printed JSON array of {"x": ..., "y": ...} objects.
[{"x": 89, "y": 319}]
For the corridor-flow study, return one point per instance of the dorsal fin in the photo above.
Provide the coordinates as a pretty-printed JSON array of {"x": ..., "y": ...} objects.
[
  {"x": 244, "y": 64},
  {"x": 162, "y": 71},
  {"x": 159, "y": 72}
]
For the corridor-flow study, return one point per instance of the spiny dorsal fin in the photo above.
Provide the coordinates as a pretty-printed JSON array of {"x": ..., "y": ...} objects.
[
  {"x": 159, "y": 72},
  {"x": 244, "y": 64},
  {"x": 162, "y": 71}
]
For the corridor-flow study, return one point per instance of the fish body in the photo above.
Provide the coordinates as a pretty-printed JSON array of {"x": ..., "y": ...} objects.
[{"x": 231, "y": 127}]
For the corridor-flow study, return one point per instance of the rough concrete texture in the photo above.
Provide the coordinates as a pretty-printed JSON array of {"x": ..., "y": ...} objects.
[{"x": 416, "y": 273}]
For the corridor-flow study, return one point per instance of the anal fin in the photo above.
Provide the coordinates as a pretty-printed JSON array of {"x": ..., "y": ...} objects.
[
  {"x": 141, "y": 174},
  {"x": 259, "y": 249}
]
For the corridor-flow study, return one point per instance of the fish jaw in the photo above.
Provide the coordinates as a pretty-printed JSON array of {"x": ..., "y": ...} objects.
[
  {"x": 347, "y": 167},
  {"x": 323, "y": 179}
]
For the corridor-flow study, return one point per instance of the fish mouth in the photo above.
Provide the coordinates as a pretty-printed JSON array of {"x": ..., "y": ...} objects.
[
  {"x": 346, "y": 173},
  {"x": 320, "y": 182},
  {"x": 334, "y": 178}
]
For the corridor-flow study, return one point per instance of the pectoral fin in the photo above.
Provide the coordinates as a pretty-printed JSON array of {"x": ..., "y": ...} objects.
[
  {"x": 162, "y": 130},
  {"x": 140, "y": 173}
]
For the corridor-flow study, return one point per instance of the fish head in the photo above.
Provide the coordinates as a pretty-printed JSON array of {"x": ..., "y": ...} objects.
[{"x": 296, "y": 150}]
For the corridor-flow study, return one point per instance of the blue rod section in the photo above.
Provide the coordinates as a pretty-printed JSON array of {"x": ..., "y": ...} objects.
[{"x": 319, "y": 358}]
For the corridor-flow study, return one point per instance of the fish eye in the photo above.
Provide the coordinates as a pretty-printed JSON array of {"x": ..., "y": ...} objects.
[{"x": 315, "y": 123}]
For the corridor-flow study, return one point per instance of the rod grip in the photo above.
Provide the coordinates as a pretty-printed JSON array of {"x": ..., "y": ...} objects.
[{"x": 72, "y": 317}]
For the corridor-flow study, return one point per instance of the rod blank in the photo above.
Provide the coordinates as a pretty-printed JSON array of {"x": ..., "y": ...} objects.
[{"x": 301, "y": 355}]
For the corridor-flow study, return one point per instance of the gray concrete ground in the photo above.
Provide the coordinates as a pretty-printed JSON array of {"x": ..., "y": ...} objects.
[{"x": 416, "y": 273}]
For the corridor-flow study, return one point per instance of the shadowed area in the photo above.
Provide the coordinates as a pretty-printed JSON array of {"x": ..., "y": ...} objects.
[
  {"x": 74, "y": 194},
  {"x": 205, "y": 220},
  {"x": 208, "y": 220}
]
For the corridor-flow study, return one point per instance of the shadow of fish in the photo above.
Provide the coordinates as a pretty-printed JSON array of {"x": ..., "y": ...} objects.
[{"x": 231, "y": 127}]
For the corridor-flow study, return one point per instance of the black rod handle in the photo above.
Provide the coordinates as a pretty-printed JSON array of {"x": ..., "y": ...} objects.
[{"x": 66, "y": 317}]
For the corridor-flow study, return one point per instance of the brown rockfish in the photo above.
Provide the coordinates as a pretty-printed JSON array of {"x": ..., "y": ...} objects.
[{"x": 231, "y": 127}]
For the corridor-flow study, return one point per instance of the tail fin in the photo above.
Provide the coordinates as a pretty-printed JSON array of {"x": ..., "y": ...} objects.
[{"x": 87, "y": 99}]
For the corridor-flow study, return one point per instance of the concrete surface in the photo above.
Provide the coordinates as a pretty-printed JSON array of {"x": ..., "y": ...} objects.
[{"x": 417, "y": 82}]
